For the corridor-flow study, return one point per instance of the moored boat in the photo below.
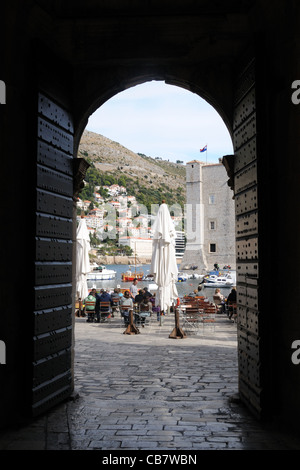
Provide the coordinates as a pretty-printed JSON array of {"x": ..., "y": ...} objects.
[
  {"x": 148, "y": 277},
  {"x": 182, "y": 277},
  {"x": 100, "y": 273},
  {"x": 220, "y": 279},
  {"x": 130, "y": 275}
]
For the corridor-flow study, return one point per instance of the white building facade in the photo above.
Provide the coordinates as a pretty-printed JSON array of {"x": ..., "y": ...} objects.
[
  {"x": 141, "y": 247},
  {"x": 209, "y": 217}
]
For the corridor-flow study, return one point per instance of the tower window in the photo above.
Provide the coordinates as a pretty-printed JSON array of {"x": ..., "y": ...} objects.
[{"x": 212, "y": 248}]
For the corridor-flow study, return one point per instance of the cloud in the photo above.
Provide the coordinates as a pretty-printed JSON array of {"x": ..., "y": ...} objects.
[{"x": 162, "y": 120}]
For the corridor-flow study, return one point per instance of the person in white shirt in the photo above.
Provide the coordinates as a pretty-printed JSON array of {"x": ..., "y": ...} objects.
[{"x": 134, "y": 288}]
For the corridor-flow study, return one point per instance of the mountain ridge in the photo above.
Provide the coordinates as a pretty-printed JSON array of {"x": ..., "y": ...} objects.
[{"x": 110, "y": 157}]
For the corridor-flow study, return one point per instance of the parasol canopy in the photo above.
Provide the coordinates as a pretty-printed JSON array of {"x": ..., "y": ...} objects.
[
  {"x": 163, "y": 264},
  {"x": 82, "y": 259}
]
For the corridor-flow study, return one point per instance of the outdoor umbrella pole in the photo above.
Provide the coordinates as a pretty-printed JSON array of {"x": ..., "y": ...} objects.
[
  {"x": 163, "y": 263},
  {"x": 131, "y": 328},
  {"x": 177, "y": 332}
]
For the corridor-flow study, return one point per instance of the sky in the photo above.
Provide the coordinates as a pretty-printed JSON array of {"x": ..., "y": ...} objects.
[{"x": 163, "y": 121}]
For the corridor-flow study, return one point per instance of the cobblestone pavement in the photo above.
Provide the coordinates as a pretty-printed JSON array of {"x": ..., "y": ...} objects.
[{"x": 150, "y": 392}]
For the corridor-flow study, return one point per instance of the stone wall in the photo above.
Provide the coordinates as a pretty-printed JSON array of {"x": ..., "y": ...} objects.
[{"x": 122, "y": 260}]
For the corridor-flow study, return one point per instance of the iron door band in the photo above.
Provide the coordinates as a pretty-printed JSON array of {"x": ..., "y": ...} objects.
[
  {"x": 52, "y": 296},
  {"x": 52, "y": 319},
  {"x": 53, "y": 181},
  {"x": 55, "y": 113},
  {"x": 48, "y": 249},
  {"x": 53, "y": 273},
  {"x": 54, "y": 158},
  {"x": 51, "y": 226},
  {"x": 55, "y": 136},
  {"x": 54, "y": 204}
]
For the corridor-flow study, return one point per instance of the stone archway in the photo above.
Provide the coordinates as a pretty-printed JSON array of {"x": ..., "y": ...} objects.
[
  {"x": 78, "y": 55},
  {"x": 242, "y": 171}
]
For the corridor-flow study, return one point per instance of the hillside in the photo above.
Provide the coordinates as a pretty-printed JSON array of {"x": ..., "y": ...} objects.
[{"x": 149, "y": 174}]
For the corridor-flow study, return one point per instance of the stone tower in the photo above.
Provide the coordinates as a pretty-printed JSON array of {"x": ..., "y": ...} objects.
[{"x": 209, "y": 217}]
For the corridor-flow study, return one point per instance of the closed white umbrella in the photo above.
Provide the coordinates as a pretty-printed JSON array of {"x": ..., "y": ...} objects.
[
  {"x": 82, "y": 259},
  {"x": 163, "y": 264}
]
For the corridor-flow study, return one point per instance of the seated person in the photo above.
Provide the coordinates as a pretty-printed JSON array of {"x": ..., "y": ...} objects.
[
  {"x": 90, "y": 302},
  {"x": 103, "y": 311},
  {"x": 126, "y": 304},
  {"x": 145, "y": 310},
  {"x": 139, "y": 297},
  {"x": 147, "y": 293},
  {"x": 152, "y": 300},
  {"x": 115, "y": 298},
  {"x": 219, "y": 300},
  {"x": 119, "y": 291},
  {"x": 115, "y": 294}
]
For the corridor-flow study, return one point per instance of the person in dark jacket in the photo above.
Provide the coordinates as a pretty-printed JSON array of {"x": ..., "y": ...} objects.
[
  {"x": 139, "y": 297},
  {"x": 231, "y": 299},
  {"x": 103, "y": 312}
]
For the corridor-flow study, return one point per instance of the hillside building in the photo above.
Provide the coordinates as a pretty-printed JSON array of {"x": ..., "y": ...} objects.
[{"x": 209, "y": 218}]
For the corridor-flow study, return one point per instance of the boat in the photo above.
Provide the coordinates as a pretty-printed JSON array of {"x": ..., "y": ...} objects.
[
  {"x": 100, "y": 273},
  {"x": 148, "y": 277},
  {"x": 227, "y": 279},
  {"x": 129, "y": 275},
  {"x": 182, "y": 277},
  {"x": 197, "y": 276}
]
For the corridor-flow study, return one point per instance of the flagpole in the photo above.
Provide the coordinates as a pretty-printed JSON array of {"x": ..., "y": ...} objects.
[{"x": 204, "y": 150}]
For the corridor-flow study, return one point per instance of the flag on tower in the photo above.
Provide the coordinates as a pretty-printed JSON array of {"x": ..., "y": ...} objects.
[{"x": 204, "y": 149}]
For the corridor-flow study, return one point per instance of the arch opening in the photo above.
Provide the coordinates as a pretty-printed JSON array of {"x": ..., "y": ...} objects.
[
  {"x": 176, "y": 121},
  {"x": 220, "y": 100},
  {"x": 185, "y": 288}
]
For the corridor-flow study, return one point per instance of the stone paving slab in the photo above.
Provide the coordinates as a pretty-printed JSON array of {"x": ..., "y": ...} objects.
[{"x": 151, "y": 392}]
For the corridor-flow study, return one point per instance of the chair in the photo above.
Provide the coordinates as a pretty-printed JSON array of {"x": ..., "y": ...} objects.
[
  {"x": 232, "y": 311},
  {"x": 192, "y": 318},
  {"x": 124, "y": 311},
  {"x": 210, "y": 309},
  {"x": 115, "y": 305},
  {"x": 209, "y": 316},
  {"x": 143, "y": 314},
  {"x": 218, "y": 303},
  {"x": 188, "y": 298},
  {"x": 105, "y": 311},
  {"x": 90, "y": 309},
  {"x": 79, "y": 308}
]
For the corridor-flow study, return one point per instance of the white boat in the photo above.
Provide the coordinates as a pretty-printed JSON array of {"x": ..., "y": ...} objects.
[
  {"x": 222, "y": 280},
  {"x": 148, "y": 277},
  {"x": 182, "y": 277},
  {"x": 100, "y": 273},
  {"x": 197, "y": 276}
]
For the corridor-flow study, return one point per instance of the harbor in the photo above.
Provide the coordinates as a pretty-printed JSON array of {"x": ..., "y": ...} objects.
[{"x": 183, "y": 287}]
